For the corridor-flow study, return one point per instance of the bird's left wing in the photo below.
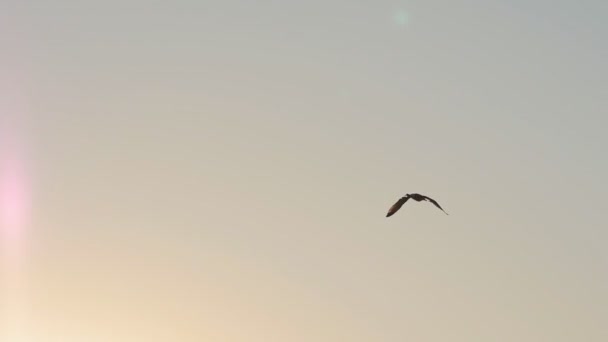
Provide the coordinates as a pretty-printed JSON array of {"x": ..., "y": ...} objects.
[{"x": 397, "y": 206}]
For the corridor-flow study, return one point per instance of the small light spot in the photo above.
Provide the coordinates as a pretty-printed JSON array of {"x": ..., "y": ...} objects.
[{"x": 401, "y": 18}]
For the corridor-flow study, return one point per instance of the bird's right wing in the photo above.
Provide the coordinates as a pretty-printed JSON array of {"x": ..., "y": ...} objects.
[
  {"x": 435, "y": 203},
  {"x": 397, "y": 206}
]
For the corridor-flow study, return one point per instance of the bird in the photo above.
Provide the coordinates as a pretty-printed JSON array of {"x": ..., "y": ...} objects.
[{"x": 415, "y": 197}]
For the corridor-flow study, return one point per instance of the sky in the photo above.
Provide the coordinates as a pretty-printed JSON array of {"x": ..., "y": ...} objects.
[{"x": 221, "y": 170}]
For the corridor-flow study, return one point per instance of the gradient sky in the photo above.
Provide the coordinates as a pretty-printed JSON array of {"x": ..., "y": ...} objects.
[{"x": 220, "y": 170}]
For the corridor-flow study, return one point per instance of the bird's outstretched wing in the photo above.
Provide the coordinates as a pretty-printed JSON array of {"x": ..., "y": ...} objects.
[
  {"x": 435, "y": 203},
  {"x": 397, "y": 206}
]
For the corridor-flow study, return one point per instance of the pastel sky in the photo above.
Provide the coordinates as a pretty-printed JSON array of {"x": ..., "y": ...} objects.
[{"x": 220, "y": 170}]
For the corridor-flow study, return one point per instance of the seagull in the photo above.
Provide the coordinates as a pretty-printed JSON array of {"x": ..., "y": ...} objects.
[{"x": 415, "y": 197}]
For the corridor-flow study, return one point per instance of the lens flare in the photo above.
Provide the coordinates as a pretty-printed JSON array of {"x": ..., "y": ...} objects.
[
  {"x": 14, "y": 180},
  {"x": 13, "y": 202},
  {"x": 14, "y": 208},
  {"x": 14, "y": 217}
]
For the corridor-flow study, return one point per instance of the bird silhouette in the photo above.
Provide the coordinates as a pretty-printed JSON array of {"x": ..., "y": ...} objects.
[{"x": 415, "y": 197}]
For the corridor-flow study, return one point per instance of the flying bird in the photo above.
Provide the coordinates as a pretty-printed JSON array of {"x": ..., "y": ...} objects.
[{"x": 415, "y": 197}]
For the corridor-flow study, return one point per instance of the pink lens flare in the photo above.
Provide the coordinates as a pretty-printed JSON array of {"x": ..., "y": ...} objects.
[
  {"x": 14, "y": 178},
  {"x": 14, "y": 221},
  {"x": 14, "y": 210},
  {"x": 14, "y": 202}
]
